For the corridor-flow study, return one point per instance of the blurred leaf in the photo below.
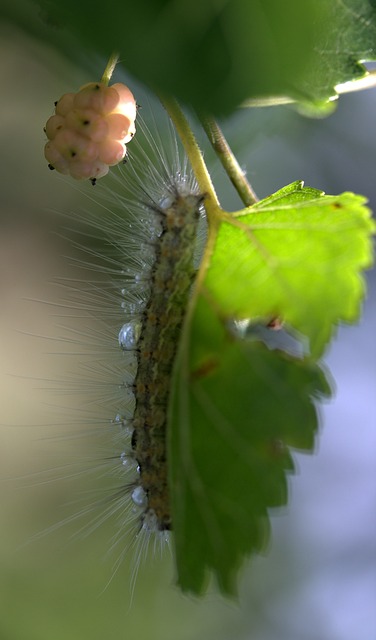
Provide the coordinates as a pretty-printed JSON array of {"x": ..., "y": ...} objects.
[
  {"x": 295, "y": 256},
  {"x": 236, "y": 407},
  {"x": 214, "y": 55},
  {"x": 347, "y": 40}
]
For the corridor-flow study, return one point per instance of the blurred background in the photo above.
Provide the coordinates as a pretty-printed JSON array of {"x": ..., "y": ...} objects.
[{"x": 318, "y": 580}]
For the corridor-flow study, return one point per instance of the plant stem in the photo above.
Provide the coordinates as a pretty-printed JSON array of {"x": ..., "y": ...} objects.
[
  {"x": 110, "y": 67},
  {"x": 229, "y": 162},
  {"x": 195, "y": 156}
]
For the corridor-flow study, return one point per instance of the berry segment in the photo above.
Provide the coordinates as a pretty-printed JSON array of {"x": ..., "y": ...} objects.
[{"x": 90, "y": 129}]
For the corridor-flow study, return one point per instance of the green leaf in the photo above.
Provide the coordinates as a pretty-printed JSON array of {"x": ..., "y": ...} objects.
[
  {"x": 348, "y": 39},
  {"x": 295, "y": 256},
  {"x": 214, "y": 55},
  {"x": 236, "y": 408}
]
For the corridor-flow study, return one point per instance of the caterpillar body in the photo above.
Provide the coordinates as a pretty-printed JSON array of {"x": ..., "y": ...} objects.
[{"x": 159, "y": 336}]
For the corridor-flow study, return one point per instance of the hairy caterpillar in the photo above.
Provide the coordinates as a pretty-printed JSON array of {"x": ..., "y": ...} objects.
[{"x": 143, "y": 236}]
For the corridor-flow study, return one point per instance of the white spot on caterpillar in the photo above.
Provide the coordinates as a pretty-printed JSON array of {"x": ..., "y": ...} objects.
[
  {"x": 129, "y": 334},
  {"x": 139, "y": 497}
]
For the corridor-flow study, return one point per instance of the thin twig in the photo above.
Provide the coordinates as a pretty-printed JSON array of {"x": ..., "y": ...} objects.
[{"x": 229, "y": 162}]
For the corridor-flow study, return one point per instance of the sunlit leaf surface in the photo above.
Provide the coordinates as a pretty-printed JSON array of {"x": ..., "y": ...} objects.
[{"x": 297, "y": 256}]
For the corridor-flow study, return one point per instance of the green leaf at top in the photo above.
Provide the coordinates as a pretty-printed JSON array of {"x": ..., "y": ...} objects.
[
  {"x": 214, "y": 55},
  {"x": 236, "y": 407},
  {"x": 348, "y": 40},
  {"x": 296, "y": 256}
]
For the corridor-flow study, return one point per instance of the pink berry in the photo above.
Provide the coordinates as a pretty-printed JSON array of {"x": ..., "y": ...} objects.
[{"x": 90, "y": 129}]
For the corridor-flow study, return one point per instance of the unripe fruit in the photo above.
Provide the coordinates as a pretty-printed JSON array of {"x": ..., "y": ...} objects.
[{"x": 90, "y": 129}]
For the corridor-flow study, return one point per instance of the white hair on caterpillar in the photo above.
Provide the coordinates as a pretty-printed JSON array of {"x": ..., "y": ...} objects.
[{"x": 117, "y": 237}]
